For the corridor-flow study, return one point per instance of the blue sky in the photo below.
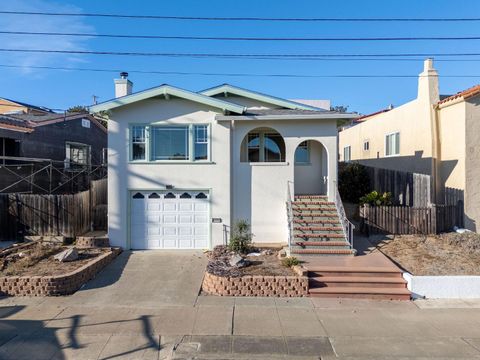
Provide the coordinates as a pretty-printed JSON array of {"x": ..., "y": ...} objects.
[{"x": 61, "y": 89}]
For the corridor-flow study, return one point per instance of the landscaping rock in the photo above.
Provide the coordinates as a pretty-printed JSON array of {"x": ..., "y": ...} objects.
[
  {"x": 67, "y": 255},
  {"x": 281, "y": 254},
  {"x": 267, "y": 252},
  {"x": 237, "y": 261}
]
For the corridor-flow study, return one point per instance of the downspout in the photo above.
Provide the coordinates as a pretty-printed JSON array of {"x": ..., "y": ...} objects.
[{"x": 436, "y": 152}]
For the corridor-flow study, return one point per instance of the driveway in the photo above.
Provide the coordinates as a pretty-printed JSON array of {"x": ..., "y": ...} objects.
[{"x": 146, "y": 279}]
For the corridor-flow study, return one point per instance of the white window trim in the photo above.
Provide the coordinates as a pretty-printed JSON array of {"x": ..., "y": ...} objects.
[
  {"x": 149, "y": 144},
  {"x": 365, "y": 142},
  {"x": 386, "y": 144}
]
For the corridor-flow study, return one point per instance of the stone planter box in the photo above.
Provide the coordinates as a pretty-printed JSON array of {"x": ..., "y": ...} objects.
[
  {"x": 443, "y": 287},
  {"x": 257, "y": 285},
  {"x": 92, "y": 242},
  {"x": 65, "y": 284}
]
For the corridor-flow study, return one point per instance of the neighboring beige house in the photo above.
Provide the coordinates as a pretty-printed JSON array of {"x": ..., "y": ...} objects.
[
  {"x": 434, "y": 135},
  {"x": 8, "y": 106}
]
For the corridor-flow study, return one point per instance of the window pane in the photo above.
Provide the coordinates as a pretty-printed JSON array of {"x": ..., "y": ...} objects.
[
  {"x": 254, "y": 147},
  {"x": 138, "y": 134},
  {"x": 302, "y": 153},
  {"x": 201, "y": 151},
  {"x": 138, "y": 151},
  {"x": 397, "y": 143},
  {"x": 170, "y": 143},
  {"x": 201, "y": 142},
  {"x": 274, "y": 147}
]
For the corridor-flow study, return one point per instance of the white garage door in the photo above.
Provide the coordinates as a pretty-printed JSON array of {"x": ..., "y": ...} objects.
[{"x": 169, "y": 219}]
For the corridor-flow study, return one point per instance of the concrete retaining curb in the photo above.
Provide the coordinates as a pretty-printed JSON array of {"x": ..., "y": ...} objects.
[{"x": 443, "y": 287}]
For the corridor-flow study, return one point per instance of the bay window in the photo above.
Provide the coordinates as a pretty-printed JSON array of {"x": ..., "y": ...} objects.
[{"x": 169, "y": 143}]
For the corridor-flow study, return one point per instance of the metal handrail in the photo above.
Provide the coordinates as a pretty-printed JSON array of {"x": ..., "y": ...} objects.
[
  {"x": 347, "y": 226},
  {"x": 289, "y": 216}
]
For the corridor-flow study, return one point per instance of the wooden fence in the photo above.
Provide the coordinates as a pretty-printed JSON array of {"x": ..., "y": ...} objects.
[
  {"x": 408, "y": 189},
  {"x": 67, "y": 215},
  {"x": 408, "y": 220}
]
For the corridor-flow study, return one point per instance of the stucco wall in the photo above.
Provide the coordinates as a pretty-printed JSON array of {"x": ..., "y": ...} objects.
[
  {"x": 260, "y": 190},
  {"x": 124, "y": 176},
  {"x": 452, "y": 133},
  {"x": 472, "y": 166},
  {"x": 412, "y": 120}
]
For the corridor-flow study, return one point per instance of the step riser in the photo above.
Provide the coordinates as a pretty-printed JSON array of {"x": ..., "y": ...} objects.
[
  {"x": 336, "y": 247},
  {"x": 325, "y": 232},
  {"x": 314, "y": 274},
  {"x": 317, "y": 284},
  {"x": 362, "y": 296}
]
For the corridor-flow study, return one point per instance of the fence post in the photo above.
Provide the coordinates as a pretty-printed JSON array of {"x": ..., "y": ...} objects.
[{"x": 434, "y": 210}]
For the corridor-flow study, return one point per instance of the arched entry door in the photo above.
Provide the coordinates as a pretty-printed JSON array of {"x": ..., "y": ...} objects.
[{"x": 311, "y": 168}]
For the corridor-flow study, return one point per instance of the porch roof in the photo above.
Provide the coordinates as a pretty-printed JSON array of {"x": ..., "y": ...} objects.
[{"x": 287, "y": 114}]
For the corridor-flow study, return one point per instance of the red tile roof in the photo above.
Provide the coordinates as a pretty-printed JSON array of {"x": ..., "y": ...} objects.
[
  {"x": 465, "y": 94},
  {"x": 364, "y": 117}
]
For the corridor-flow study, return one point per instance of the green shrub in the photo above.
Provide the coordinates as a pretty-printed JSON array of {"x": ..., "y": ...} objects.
[
  {"x": 375, "y": 198},
  {"x": 241, "y": 237},
  {"x": 353, "y": 182},
  {"x": 290, "y": 261}
]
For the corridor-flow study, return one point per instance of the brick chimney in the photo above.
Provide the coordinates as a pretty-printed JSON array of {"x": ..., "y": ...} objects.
[{"x": 123, "y": 86}]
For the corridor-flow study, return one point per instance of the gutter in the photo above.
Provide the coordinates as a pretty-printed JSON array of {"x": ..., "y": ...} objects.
[{"x": 286, "y": 117}]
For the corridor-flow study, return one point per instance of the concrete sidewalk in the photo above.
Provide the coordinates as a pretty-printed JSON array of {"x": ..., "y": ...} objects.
[{"x": 147, "y": 305}]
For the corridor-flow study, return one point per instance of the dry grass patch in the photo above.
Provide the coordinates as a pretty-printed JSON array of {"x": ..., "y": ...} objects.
[{"x": 445, "y": 254}]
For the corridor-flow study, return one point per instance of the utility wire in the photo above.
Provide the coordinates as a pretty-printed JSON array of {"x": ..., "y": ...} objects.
[
  {"x": 199, "y": 18},
  {"x": 221, "y": 38},
  {"x": 237, "y": 56},
  {"x": 224, "y": 74}
]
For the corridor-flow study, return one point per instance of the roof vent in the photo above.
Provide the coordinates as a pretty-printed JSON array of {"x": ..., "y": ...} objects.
[{"x": 124, "y": 75}]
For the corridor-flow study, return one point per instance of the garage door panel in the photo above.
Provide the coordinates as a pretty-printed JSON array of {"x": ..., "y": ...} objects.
[
  {"x": 185, "y": 230},
  {"x": 169, "y": 206},
  {"x": 170, "y": 243},
  {"x": 201, "y": 206},
  {"x": 169, "y": 230},
  {"x": 185, "y": 206},
  {"x": 185, "y": 242},
  {"x": 169, "y": 220}
]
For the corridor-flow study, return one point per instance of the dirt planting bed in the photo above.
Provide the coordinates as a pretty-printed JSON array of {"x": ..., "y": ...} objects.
[
  {"x": 445, "y": 254},
  {"x": 38, "y": 260}
]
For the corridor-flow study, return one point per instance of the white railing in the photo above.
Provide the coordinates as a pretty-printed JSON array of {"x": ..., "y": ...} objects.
[
  {"x": 347, "y": 226},
  {"x": 289, "y": 216}
]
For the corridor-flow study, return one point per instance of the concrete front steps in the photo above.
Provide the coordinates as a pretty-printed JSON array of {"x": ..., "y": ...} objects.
[
  {"x": 316, "y": 227},
  {"x": 363, "y": 283}
]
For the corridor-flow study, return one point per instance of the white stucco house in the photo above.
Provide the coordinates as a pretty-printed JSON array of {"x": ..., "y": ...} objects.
[{"x": 183, "y": 165}]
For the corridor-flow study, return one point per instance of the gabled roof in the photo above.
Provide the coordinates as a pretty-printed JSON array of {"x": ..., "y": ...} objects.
[
  {"x": 465, "y": 94},
  {"x": 38, "y": 108},
  {"x": 33, "y": 121},
  {"x": 230, "y": 89},
  {"x": 168, "y": 90}
]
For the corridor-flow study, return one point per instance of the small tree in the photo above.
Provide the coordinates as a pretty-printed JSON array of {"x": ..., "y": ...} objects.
[
  {"x": 353, "y": 182},
  {"x": 241, "y": 237},
  {"x": 78, "y": 109}
]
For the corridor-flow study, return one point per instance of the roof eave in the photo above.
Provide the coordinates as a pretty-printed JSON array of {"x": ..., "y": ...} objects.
[
  {"x": 287, "y": 117},
  {"x": 167, "y": 90},
  {"x": 257, "y": 96}
]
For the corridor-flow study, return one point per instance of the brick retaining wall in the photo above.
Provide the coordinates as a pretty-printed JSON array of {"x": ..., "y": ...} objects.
[
  {"x": 55, "y": 285},
  {"x": 279, "y": 286}
]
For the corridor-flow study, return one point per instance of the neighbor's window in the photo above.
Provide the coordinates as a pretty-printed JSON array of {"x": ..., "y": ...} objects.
[
  {"x": 170, "y": 143},
  {"x": 139, "y": 143},
  {"x": 392, "y": 144},
  {"x": 302, "y": 153},
  {"x": 366, "y": 145},
  {"x": 76, "y": 155},
  {"x": 347, "y": 153},
  {"x": 201, "y": 142}
]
